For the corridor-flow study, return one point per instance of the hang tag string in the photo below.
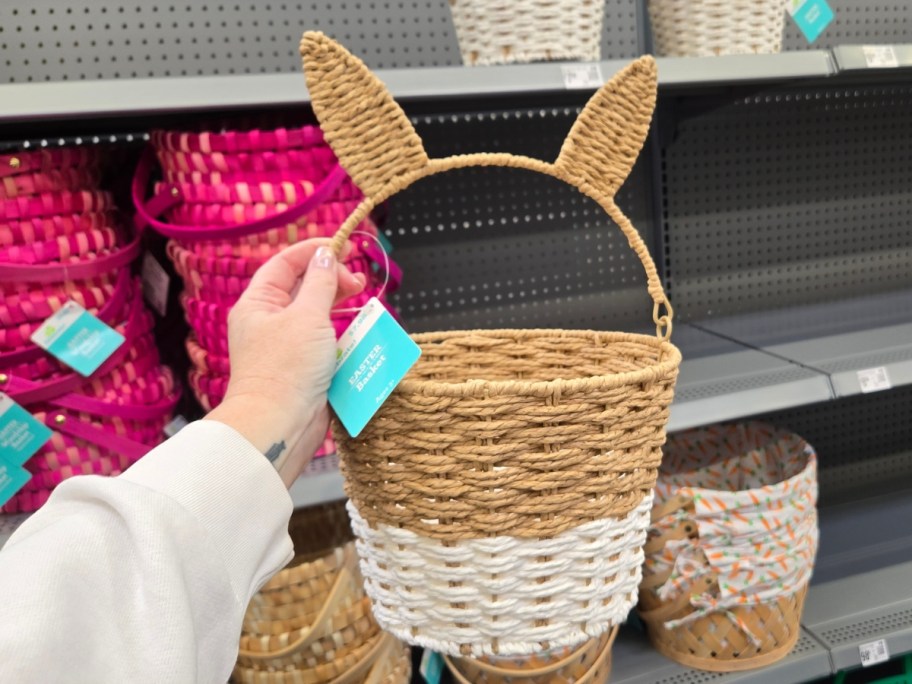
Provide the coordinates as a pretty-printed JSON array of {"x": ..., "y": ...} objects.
[{"x": 386, "y": 272}]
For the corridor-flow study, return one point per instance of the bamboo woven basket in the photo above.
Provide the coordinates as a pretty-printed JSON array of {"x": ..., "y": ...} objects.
[
  {"x": 506, "y": 31},
  {"x": 707, "y": 28},
  {"x": 501, "y": 495},
  {"x": 749, "y": 631},
  {"x": 591, "y": 662}
]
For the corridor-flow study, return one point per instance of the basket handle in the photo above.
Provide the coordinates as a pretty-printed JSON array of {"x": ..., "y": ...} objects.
[
  {"x": 146, "y": 213},
  {"x": 662, "y": 319},
  {"x": 383, "y": 154}
]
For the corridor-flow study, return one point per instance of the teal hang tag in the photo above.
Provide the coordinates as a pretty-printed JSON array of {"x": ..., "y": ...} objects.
[
  {"x": 811, "y": 16},
  {"x": 21, "y": 434},
  {"x": 384, "y": 242},
  {"x": 372, "y": 356},
  {"x": 431, "y": 667},
  {"x": 77, "y": 338},
  {"x": 12, "y": 479}
]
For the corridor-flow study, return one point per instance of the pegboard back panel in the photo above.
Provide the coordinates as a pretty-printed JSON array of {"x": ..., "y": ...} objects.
[
  {"x": 788, "y": 197},
  {"x": 491, "y": 247},
  {"x": 51, "y": 40},
  {"x": 857, "y": 22}
]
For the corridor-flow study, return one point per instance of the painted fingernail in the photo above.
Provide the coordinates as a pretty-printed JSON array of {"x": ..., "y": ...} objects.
[{"x": 324, "y": 258}]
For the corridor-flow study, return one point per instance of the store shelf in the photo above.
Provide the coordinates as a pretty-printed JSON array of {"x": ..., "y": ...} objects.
[
  {"x": 136, "y": 97},
  {"x": 320, "y": 483},
  {"x": 722, "y": 380},
  {"x": 872, "y": 58},
  {"x": 845, "y": 339}
]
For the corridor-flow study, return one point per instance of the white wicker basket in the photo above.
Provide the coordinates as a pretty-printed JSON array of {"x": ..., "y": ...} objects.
[
  {"x": 706, "y": 28},
  {"x": 505, "y": 31}
]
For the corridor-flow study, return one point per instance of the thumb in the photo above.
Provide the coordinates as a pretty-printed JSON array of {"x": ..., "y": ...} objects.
[{"x": 320, "y": 282}]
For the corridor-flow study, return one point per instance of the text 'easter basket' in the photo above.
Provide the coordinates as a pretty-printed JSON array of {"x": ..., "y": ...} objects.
[{"x": 500, "y": 497}]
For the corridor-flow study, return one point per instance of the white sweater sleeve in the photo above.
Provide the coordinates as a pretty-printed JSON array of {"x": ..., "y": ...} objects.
[{"x": 144, "y": 577}]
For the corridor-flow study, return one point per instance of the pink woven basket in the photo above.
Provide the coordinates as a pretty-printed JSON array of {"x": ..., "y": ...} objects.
[
  {"x": 56, "y": 180},
  {"x": 239, "y": 141},
  {"x": 54, "y": 203},
  {"x": 28, "y": 231},
  {"x": 312, "y": 164},
  {"x": 19, "y": 163},
  {"x": 63, "y": 248}
]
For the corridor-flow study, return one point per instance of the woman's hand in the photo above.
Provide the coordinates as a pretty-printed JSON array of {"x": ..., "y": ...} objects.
[{"x": 281, "y": 345}]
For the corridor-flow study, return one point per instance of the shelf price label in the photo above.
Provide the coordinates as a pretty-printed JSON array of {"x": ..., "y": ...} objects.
[
  {"x": 880, "y": 56},
  {"x": 582, "y": 76},
  {"x": 873, "y": 652},
  {"x": 874, "y": 380}
]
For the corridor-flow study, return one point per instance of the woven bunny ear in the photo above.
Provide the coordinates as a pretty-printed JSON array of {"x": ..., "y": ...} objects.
[
  {"x": 607, "y": 137},
  {"x": 370, "y": 134}
]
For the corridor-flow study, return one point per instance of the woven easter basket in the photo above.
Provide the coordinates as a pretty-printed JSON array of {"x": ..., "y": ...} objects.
[
  {"x": 590, "y": 662},
  {"x": 737, "y": 637},
  {"x": 500, "y": 497},
  {"x": 507, "y": 31},
  {"x": 707, "y": 28}
]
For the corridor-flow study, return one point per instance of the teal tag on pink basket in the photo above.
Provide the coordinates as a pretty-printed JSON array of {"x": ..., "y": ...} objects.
[
  {"x": 12, "y": 479},
  {"x": 78, "y": 339},
  {"x": 21, "y": 434},
  {"x": 811, "y": 16},
  {"x": 372, "y": 356}
]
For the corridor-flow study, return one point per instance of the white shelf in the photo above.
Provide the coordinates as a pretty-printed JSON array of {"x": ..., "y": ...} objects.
[{"x": 320, "y": 483}]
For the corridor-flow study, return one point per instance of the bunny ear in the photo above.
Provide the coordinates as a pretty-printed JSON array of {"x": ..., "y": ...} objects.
[
  {"x": 607, "y": 137},
  {"x": 370, "y": 134}
]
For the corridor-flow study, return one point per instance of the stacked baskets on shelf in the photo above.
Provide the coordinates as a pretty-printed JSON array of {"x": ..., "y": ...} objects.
[
  {"x": 233, "y": 200},
  {"x": 61, "y": 239},
  {"x": 708, "y": 28},
  {"x": 312, "y": 622},
  {"x": 508, "y": 31},
  {"x": 731, "y": 548},
  {"x": 501, "y": 495}
]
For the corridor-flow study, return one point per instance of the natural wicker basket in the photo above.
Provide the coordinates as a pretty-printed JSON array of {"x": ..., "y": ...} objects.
[
  {"x": 748, "y": 631},
  {"x": 591, "y": 662},
  {"x": 501, "y": 494},
  {"x": 506, "y": 31},
  {"x": 706, "y": 28}
]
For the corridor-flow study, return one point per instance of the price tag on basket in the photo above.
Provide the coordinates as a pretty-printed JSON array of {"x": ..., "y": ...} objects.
[
  {"x": 431, "y": 667},
  {"x": 12, "y": 479},
  {"x": 811, "y": 16},
  {"x": 77, "y": 338},
  {"x": 372, "y": 356},
  {"x": 873, "y": 652},
  {"x": 155, "y": 284},
  {"x": 21, "y": 435}
]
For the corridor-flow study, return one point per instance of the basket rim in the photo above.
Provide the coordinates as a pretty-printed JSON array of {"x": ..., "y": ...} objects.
[{"x": 481, "y": 388}]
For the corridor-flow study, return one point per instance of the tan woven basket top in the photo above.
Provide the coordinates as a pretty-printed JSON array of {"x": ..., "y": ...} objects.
[{"x": 521, "y": 432}]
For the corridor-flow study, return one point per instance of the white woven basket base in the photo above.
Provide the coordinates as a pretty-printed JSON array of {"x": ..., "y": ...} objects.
[
  {"x": 486, "y": 594},
  {"x": 505, "y": 31}
]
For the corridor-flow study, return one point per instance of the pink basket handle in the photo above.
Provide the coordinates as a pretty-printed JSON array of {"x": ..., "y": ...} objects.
[
  {"x": 56, "y": 273},
  {"x": 31, "y": 392},
  {"x": 112, "y": 308},
  {"x": 146, "y": 212},
  {"x": 143, "y": 412},
  {"x": 105, "y": 439}
]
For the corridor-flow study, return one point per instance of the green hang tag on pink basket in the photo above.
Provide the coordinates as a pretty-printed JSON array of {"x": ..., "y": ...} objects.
[{"x": 77, "y": 338}]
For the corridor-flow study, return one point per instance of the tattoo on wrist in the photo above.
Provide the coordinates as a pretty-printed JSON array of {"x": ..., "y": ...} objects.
[{"x": 273, "y": 452}]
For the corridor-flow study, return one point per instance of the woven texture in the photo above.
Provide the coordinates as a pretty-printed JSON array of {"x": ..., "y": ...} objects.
[
  {"x": 233, "y": 178},
  {"x": 731, "y": 546},
  {"x": 506, "y": 31},
  {"x": 502, "y": 448},
  {"x": 706, "y": 28},
  {"x": 61, "y": 239},
  {"x": 312, "y": 622}
]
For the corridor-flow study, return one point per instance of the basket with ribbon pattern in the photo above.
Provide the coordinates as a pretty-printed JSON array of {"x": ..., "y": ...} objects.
[
  {"x": 501, "y": 494},
  {"x": 731, "y": 547}
]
